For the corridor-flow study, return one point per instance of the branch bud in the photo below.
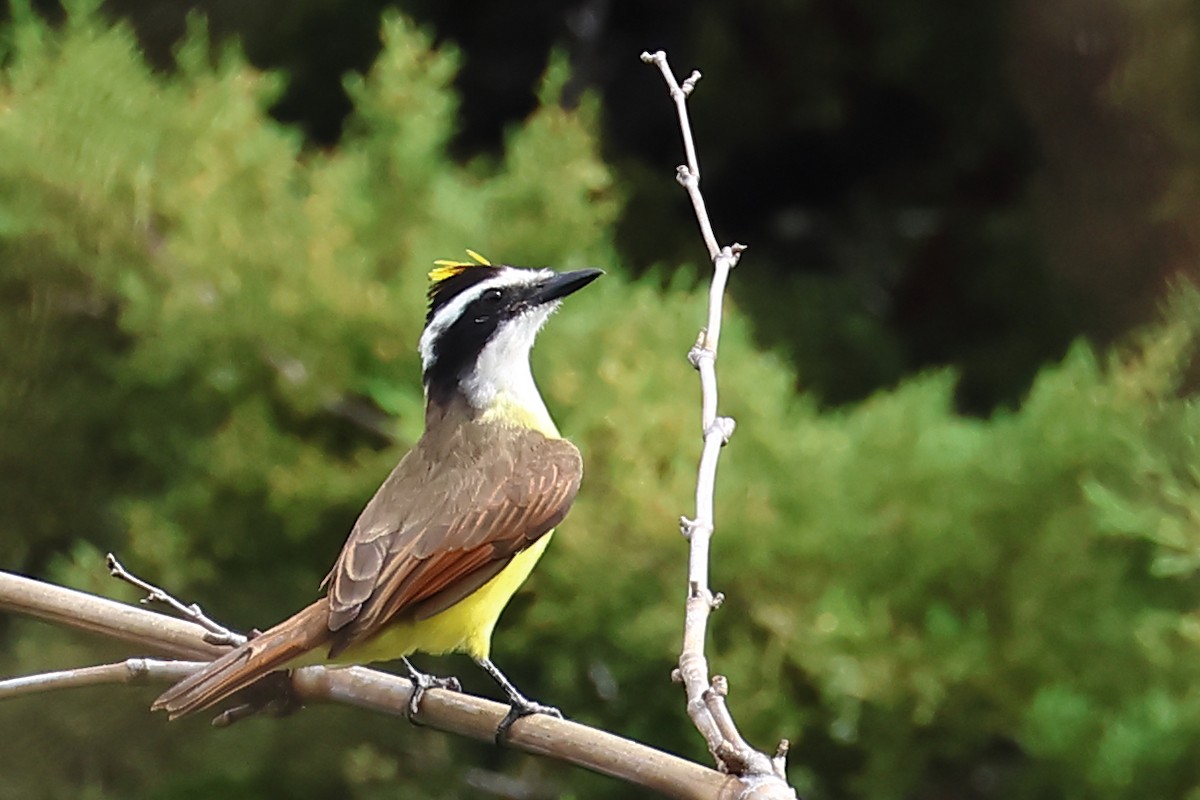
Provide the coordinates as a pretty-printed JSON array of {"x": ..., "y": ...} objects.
[
  {"x": 685, "y": 176},
  {"x": 700, "y": 350},
  {"x": 724, "y": 426},
  {"x": 686, "y": 526},
  {"x": 779, "y": 760}
]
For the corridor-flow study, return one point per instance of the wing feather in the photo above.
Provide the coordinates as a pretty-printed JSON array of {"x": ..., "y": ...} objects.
[{"x": 430, "y": 537}]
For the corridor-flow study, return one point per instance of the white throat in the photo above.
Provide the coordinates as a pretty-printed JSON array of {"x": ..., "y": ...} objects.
[{"x": 501, "y": 386}]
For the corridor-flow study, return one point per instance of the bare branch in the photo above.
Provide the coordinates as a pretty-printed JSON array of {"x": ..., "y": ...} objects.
[
  {"x": 131, "y": 670},
  {"x": 454, "y": 712},
  {"x": 217, "y": 634},
  {"x": 687, "y": 174},
  {"x": 763, "y": 776},
  {"x": 147, "y": 631}
]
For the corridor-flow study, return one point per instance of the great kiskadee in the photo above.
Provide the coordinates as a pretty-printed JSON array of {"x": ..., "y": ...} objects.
[{"x": 460, "y": 522}]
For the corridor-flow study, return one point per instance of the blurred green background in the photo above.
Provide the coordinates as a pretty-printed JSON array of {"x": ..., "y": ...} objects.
[{"x": 958, "y": 527}]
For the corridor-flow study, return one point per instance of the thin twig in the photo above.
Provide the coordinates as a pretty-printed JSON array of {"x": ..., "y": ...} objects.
[
  {"x": 216, "y": 634},
  {"x": 131, "y": 670},
  {"x": 145, "y": 630},
  {"x": 764, "y": 776},
  {"x": 454, "y": 712}
]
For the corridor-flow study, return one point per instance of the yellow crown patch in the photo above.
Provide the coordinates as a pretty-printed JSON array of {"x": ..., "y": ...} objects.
[{"x": 445, "y": 268}]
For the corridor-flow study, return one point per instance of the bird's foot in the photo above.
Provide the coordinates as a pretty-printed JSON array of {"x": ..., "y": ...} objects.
[
  {"x": 518, "y": 704},
  {"x": 272, "y": 694},
  {"x": 422, "y": 682},
  {"x": 522, "y": 707}
]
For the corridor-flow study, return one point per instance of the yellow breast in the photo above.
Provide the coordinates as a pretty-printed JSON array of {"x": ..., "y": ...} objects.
[
  {"x": 533, "y": 416},
  {"x": 464, "y": 627}
]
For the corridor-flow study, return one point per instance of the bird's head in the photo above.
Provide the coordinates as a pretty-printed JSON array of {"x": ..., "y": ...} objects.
[{"x": 481, "y": 325}]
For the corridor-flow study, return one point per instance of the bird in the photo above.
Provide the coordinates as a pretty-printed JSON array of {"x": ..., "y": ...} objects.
[{"x": 462, "y": 519}]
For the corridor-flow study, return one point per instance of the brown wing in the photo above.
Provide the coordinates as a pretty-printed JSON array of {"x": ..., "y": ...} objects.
[{"x": 449, "y": 517}]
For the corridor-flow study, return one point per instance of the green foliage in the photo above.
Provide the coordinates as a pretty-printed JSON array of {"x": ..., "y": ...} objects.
[{"x": 200, "y": 318}]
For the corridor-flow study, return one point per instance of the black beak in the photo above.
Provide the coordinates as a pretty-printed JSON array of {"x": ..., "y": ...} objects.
[{"x": 564, "y": 284}]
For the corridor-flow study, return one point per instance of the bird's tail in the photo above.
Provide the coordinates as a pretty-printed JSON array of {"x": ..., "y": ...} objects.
[{"x": 244, "y": 665}]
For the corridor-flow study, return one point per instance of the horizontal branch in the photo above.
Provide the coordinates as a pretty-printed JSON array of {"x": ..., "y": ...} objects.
[
  {"x": 155, "y": 633},
  {"x": 131, "y": 670},
  {"x": 453, "y": 712}
]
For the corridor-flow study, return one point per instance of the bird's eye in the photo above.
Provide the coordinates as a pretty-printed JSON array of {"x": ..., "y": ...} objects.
[{"x": 490, "y": 302}]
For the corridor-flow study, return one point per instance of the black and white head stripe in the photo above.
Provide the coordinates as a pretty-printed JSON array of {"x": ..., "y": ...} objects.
[
  {"x": 466, "y": 309},
  {"x": 443, "y": 291}
]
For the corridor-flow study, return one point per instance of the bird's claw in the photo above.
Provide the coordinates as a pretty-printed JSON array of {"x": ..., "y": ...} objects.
[
  {"x": 273, "y": 694},
  {"x": 422, "y": 682},
  {"x": 523, "y": 708}
]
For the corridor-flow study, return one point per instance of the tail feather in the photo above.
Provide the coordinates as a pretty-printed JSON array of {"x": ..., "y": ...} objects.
[{"x": 244, "y": 665}]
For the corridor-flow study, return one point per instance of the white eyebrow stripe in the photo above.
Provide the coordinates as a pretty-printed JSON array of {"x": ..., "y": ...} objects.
[{"x": 449, "y": 313}]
